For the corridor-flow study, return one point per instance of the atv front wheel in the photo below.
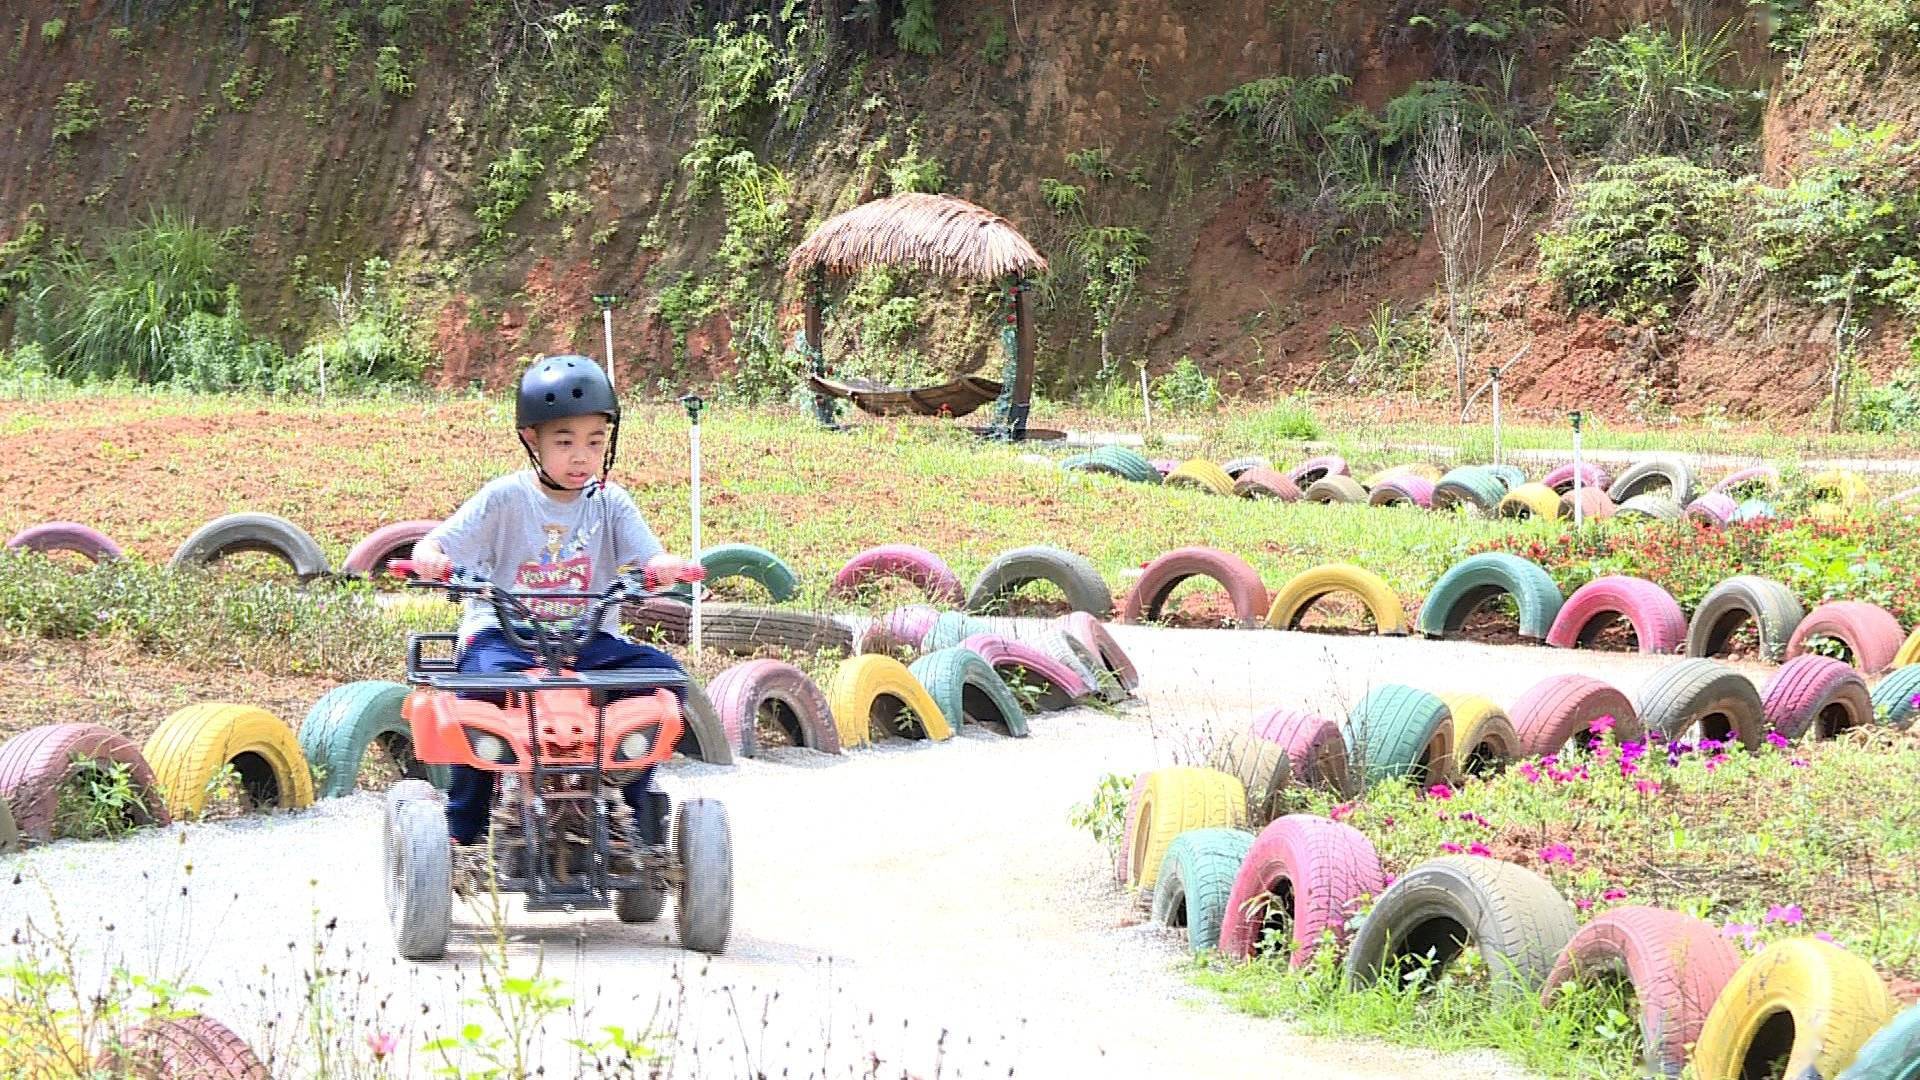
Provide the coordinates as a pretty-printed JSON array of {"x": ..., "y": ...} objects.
[
  {"x": 704, "y": 844},
  {"x": 419, "y": 877}
]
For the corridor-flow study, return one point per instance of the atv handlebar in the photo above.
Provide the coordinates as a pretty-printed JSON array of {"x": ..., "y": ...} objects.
[{"x": 557, "y": 647}]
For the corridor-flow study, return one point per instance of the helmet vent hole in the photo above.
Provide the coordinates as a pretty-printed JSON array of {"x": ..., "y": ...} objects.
[
  {"x": 569, "y": 363},
  {"x": 550, "y": 399},
  {"x": 577, "y": 392}
]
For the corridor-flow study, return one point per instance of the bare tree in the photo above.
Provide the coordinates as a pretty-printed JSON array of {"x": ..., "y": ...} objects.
[{"x": 1452, "y": 178}]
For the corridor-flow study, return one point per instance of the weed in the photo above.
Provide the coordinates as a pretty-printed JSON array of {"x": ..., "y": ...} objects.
[
  {"x": 915, "y": 29},
  {"x": 1093, "y": 162},
  {"x": 390, "y": 72},
  {"x": 506, "y": 185},
  {"x": 97, "y": 801},
  {"x": 1104, "y": 815},
  {"x": 1185, "y": 388},
  {"x": 1062, "y": 198},
  {"x": 74, "y": 112},
  {"x": 52, "y": 29},
  {"x": 911, "y": 172},
  {"x": 284, "y": 31},
  {"x": 1653, "y": 92},
  {"x": 1389, "y": 353},
  {"x": 995, "y": 49}
]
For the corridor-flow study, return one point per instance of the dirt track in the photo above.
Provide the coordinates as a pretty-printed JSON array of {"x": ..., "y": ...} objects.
[{"x": 885, "y": 897}]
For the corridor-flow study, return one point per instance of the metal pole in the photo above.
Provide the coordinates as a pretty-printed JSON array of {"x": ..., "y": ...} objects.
[
  {"x": 1146, "y": 399},
  {"x": 606, "y": 302},
  {"x": 693, "y": 405},
  {"x": 1496, "y": 414},
  {"x": 1579, "y": 466}
]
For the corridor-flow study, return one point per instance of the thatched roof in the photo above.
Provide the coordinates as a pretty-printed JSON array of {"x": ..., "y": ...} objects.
[{"x": 940, "y": 233}]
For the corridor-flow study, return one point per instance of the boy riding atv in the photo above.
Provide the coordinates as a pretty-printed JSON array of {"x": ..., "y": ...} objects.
[{"x": 538, "y": 557}]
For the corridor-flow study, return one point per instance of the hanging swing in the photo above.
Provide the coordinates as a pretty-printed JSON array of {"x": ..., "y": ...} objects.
[{"x": 942, "y": 235}]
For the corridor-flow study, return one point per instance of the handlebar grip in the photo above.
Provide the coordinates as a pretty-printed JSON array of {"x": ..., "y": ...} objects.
[{"x": 403, "y": 568}]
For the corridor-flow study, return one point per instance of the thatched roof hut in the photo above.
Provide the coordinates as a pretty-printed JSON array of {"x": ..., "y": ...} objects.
[
  {"x": 937, "y": 233},
  {"x": 942, "y": 235}
]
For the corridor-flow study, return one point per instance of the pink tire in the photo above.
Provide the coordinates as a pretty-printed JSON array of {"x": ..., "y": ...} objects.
[
  {"x": 1401, "y": 490},
  {"x": 902, "y": 628},
  {"x": 66, "y": 536},
  {"x": 1591, "y": 476},
  {"x": 915, "y": 564},
  {"x": 1131, "y": 821},
  {"x": 1316, "y": 748},
  {"x": 1318, "y": 468},
  {"x": 1714, "y": 509},
  {"x": 1760, "y": 476},
  {"x": 1562, "y": 708},
  {"x": 1869, "y": 631},
  {"x": 1090, "y": 632},
  {"x": 1265, "y": 483},
  {"x": 1677, "y": 965},
  {"x": 1316, "y": 870},
  {"x": 799, "y": 706},
  {"x": 1163, "y": 466},
  {"x": 1164, "y": 574},
  {"x": 1658, "y": 623},
  {"x": 1817, "y": 695},
  {"x": 1064, "y": 685},
  {"x": 370, "y": 556}
]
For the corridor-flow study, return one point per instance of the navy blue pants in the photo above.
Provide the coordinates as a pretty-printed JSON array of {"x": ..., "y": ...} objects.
[{"x": 470, "y": 801}]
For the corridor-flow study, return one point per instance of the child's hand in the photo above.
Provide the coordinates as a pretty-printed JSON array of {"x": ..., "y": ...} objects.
[
  {"x": 664, "y": 569},
  {"x": 430, "y": 564}
]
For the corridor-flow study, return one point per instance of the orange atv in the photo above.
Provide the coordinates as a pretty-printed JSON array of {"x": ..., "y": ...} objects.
[{"x": 561, "y": 833}]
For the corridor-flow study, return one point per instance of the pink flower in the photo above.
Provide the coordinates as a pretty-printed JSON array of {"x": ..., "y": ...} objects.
[
  {"x": 1388, "y": 880},
  {"x": 1647, "y": 787},
  {"x": 1628, "y": 768},
  {"x": 1557, "y": 853},
  {"x": 1744, "y": 931},
  {"x": 1789, "y": 914},
  {"x": 1601, "y": 726},
  {"x": 1798, "y": 763},
  {"x": 1777, "y": 740},
  {"x": 1822, "y": 935},
  {"x": 381, "y": 1044},
  {"x": 1451, "y": 848},
  {"x": 1480, "y": 849},
  {"x": 1340, "y": 812},
  {"x": 1615, "y": 893},
  {"x": 1582, "y": 903},
  {"x": 1528, "y": 770},
  {"x": 1468, "y": 815},
  {"x": 1440, "y": 791}
]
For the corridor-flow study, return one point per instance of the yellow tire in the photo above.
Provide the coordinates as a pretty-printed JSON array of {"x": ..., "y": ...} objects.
[
  {"x": 1909, "y": 650},
  {"x": 35, "y": 1044},
  {"x": 1304, "y": 589},
  {"x": 1533, "y": 500},
  {"x": 191, "y": 748},
  {"x": 1815, "y": 1002},
  {"x": 1839, "y": 486},
  {"x": 1484, "y": 738},
  {"x": 1413, "y": 468},
  {"x": 874, "y": 688},
  {"x": 1173, "y": 801},
  {"x": 1203, "y": 474}
]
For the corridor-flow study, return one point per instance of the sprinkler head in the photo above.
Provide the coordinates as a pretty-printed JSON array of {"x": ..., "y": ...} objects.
[{"x": 693, "y": 405}]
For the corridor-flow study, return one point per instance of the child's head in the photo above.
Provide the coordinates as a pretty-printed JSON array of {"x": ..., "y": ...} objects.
[{"x": 569, "y": 421}]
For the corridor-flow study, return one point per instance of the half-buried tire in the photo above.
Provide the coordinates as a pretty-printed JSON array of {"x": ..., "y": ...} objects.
[
  {"x": 1772, "y": 609},
  {"x": 1263, "y": 483},
  {"x": 1060, "y": 685},
  {"x": 742, "y": 630},
  {"x": 1720, "y": 700},
  {"x": 1529, "y": 501},
  {"x": 1801, "y": 1008},
  {"x": 1649, "y": 476},
  {"x": 191, "y": 1047},
  {"x": 1305, "y": 589},
  {"x": 1515, "y": 918},
  {"x": 196, "y": 744},
  {"x": 1560, "y": 478},
  {"x": 1201, "y": 475},
  {"x": 1335, "y": 489},
  {"x": 966, "y": 688},
  {"x": 65, "y": 536},
  {"x": 870, "y": 691},
  {"x": 265, "y": 533},
  {"x": 1562, "y": 708},
  {"x": 1677, "y": 965},
  {"x": 745, "y": 693},
  {"x": 1659, "y": 626},
  {"x": 905, "y": 561},
  {"x": 1195, "y": 879},
  {"x": 346, "y": 722},
  {"x": 1894, "y": 698},
  {"x": 1484, "y": 738},
  {"x": 369, "y": 557},
  {"x": 36, "y": 763},
  {"x": 1074, "y": 575},
  {"x": 1164, "y": 574},
  {"x": 1173, "y": 801},
  {"x": 1315, "y": 745},
  {"x": 1311, "y": 470},
  {"x": 1095, "y": 636},
  {"x": 1893, "y": 1053},
  {"x": 1478, "y": 579},
  {"x": 1398, "y": 732},
  {"x": 1817, "y": 696},
  {"x": 1262, "y": 767},
  {"x": 1870, "y": 632},
  {"x": 704, "y": 737},
  {"x": 1469, "y": 487},
  {"x": 1403, "y": 490},
  {"x": 1303, "y": 878},
  {"x": 751, "y": 563}
]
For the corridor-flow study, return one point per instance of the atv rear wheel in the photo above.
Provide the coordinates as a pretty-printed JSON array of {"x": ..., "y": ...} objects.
[
  {"x": 704, "y": 844},
  {"x": 419, "y": 877}
]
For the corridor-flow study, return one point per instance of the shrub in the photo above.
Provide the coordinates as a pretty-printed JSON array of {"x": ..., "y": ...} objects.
[
  {"x": 1844, "y": 228},
  {"x": 915, "y": 29},
  {"x": 1186, "y": 388},
  {"x": 1280, "y": 116},
  {"x": 911, "y": 172},
  {"x": 373, "y": 339},
  {"x": 216, "y": 352},
  {"x": 735, "y": 68},
  {"x": 74, "y": 112},
  {"x": 1651, "y": 92},
  {"x": 1892, "y": 409},
  {"x": 1062, "y": 198},
  {"x": 1634, "y": 238}
]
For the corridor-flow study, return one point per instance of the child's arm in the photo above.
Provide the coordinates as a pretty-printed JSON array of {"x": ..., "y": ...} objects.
[{"x": 463, "y": 538}]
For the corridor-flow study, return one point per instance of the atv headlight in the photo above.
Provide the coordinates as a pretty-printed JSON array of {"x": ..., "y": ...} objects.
[
  {"x": 489, "y": 747},
  {"x": 635, "y": 746}
]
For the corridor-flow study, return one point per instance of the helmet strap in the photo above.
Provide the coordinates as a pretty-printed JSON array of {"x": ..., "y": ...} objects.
[{"x": 591, "y": 487}]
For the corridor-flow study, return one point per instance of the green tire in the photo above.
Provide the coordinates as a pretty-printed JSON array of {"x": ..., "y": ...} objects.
[
  {"x": 952, "y": 628},
  {"x": 1397, "y": 732},
  {"x": 1893, "y": 698},
  {"x": 348, "y": 719},
  {"x": 1196, "y": 880},
  {"x": 966, "y": 687},
  {"x": 1892, "y": 1054},
  {"x": 1469, "y": 487},
  {"x": 1122, "y": 462},
  {"x": 1510, "y": 476},
  {"x": 756, "y": 564},
  {"x": 1480, "y": 578}
]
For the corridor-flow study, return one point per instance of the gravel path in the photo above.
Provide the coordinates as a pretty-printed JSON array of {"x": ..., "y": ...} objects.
[{"x": 928, "y": 906}]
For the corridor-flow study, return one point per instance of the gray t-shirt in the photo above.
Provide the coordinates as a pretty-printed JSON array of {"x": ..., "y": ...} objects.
[{"x": 512, "y": 532}]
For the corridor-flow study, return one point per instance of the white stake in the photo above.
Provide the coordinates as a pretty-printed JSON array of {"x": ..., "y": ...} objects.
[
  {"x": 1496, "y": 417},
  {"x": 606, "y": 302},
  {"x": 693, "y": 403},
  {"x": 1146, "y": 399},
  {"x": 1578, "y": 467}
]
